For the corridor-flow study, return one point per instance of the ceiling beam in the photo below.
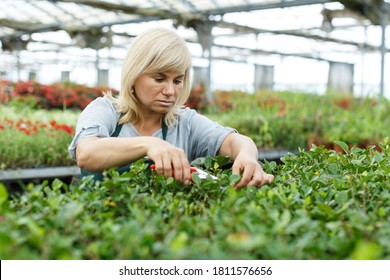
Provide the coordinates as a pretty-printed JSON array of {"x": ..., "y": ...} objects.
[
  {"x": 370, "y": 9},
  {"x": 189, "y": 19},
  {"x": 19, "y": 25},
  {"x": 133, "y": 10},
  {"x": 265, "y": 6},
  {"x": 239, "y": 29},
  {"x": 37, "y": 28},
  {"x": 264, "y": 52},
  {"x": 252, "y": 30}
]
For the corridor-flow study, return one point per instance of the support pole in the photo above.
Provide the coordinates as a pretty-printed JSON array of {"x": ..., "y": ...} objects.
[
  {"x": 210, "y": 96},
  {"x": 97, "y": 62},
  {"x": 362, "y": 84},
  {"x": 384, "y": 16},
  {"x": 18, "y": 65}
]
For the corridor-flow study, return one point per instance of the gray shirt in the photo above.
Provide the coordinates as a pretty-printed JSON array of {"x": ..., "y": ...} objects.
[{"x": 197, "y": 135}]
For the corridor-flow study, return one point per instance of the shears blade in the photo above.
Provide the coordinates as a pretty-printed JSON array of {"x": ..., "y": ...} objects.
[{"x": 201, "y": 174}]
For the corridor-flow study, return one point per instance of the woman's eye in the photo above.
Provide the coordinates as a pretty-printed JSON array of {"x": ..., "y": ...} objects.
[
  {"x": 159, "y": 80},
  {"x": 178, "y": 82}
]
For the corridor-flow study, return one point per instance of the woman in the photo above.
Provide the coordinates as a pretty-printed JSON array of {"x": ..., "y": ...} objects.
[{"x": 155, "y": 84}]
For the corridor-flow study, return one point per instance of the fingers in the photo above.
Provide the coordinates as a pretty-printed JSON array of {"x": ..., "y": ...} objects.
[
  {"x": 180, "y": 169},
  {"x": 171, "y": 161},
  {"x": 252, "y": 175}
]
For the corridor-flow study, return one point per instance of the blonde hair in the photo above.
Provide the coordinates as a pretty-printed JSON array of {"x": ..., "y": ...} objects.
[{"x": 156, "y": 50}]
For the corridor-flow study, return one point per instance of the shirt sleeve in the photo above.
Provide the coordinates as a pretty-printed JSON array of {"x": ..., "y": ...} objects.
[
  {"x": 206, "y": 136},
  {"x": 99, "y": 119}
]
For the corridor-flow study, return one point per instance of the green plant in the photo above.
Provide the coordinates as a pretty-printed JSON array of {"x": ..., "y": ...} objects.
[
  {"x": 295, "y": 120},
  {"x": 321, "y": 205},
  {"x": 34, "y": 141}
]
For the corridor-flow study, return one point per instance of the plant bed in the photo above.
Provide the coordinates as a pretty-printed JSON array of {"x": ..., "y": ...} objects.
[
  {"x": 274, "y": 120},
  {"x": 42, "y": 173},
  {"x": 15, "y": 179},
  {"x": 291, "y": 120},
  {"x": 53, "y": 96},
  {"x": 321, "y": 205},
  {"x": 269, "y": 154},
  {"x": 39, "y": 173},
  {"x": 39, "y": 140}
]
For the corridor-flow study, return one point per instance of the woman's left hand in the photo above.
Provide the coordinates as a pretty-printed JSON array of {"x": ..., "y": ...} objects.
[
  {"x": 243, "y": 151},
  {"x": 252, "y": 174}
]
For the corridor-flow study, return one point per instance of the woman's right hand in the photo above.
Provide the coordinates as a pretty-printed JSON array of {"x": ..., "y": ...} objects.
[
  {"x": 169, "y": 161},
  {"x": 96, "y": 154}
]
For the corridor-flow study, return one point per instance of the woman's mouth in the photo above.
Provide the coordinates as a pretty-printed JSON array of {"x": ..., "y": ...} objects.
[{"x": 165, "y": 103}]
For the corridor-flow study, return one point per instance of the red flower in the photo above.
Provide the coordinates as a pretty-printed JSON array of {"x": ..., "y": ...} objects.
[
  {"x": 25, "y": 130},
  {"x": 65, "y": 128}
]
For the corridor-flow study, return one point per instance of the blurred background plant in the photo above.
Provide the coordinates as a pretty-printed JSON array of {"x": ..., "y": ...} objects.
[
  {"x": 35, "y": 138},
  {"x": 274, "y": 120},
  {"x": 65, "y": 95}
]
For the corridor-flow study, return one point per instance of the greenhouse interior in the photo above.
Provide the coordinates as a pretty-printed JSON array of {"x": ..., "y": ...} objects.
[{"x": 303, "y": 80}]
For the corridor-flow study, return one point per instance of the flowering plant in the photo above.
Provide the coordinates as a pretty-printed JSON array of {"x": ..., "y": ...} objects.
[
  {"x": 197, "y": 99},
  {"x": 54, "y": 96},
  {"x": 27, "y": 143},
  {"x": 322, "y": 205}
]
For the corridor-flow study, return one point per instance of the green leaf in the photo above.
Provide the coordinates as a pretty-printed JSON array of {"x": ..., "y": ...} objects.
[
  {"x": 366, "y": 250},
  {"x": 196, "y": 179},
  {"x": 169, "y": 181},
  {"x": 222, "y": 160},
  {"x": 234, "y": 178},
  {"x": 333, "y": 168},
  {"x": 342, "y": 197},
  {"x": 284, "y": 219},
  {"x": 378, "y": 158},
  {"x": 343, "y": 146},
  {"x": 326, "y": 209},
  {"x": 179, "y": 241},
  {"x": 381, "y": 212},
  {"x": 3, "y": 194},
  {"x": 208, "y": 162}
]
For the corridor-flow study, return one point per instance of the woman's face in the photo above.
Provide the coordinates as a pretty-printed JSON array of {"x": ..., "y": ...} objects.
[{"x": 158, "y": 92}]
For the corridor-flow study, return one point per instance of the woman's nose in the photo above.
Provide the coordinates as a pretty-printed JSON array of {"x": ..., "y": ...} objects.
[{"x": 168, "y": 89}]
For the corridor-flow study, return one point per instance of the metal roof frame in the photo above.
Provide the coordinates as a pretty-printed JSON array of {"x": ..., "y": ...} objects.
[{"x": 88, "y": 18}]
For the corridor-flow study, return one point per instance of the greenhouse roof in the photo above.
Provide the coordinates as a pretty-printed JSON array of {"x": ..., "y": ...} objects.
[
  {"x": 248, "y": 31},
  {"x": 21, "y": 18}
]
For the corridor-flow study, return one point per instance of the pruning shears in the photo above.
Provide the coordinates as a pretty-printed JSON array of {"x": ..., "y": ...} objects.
[{"x": 199, "y": 172}]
